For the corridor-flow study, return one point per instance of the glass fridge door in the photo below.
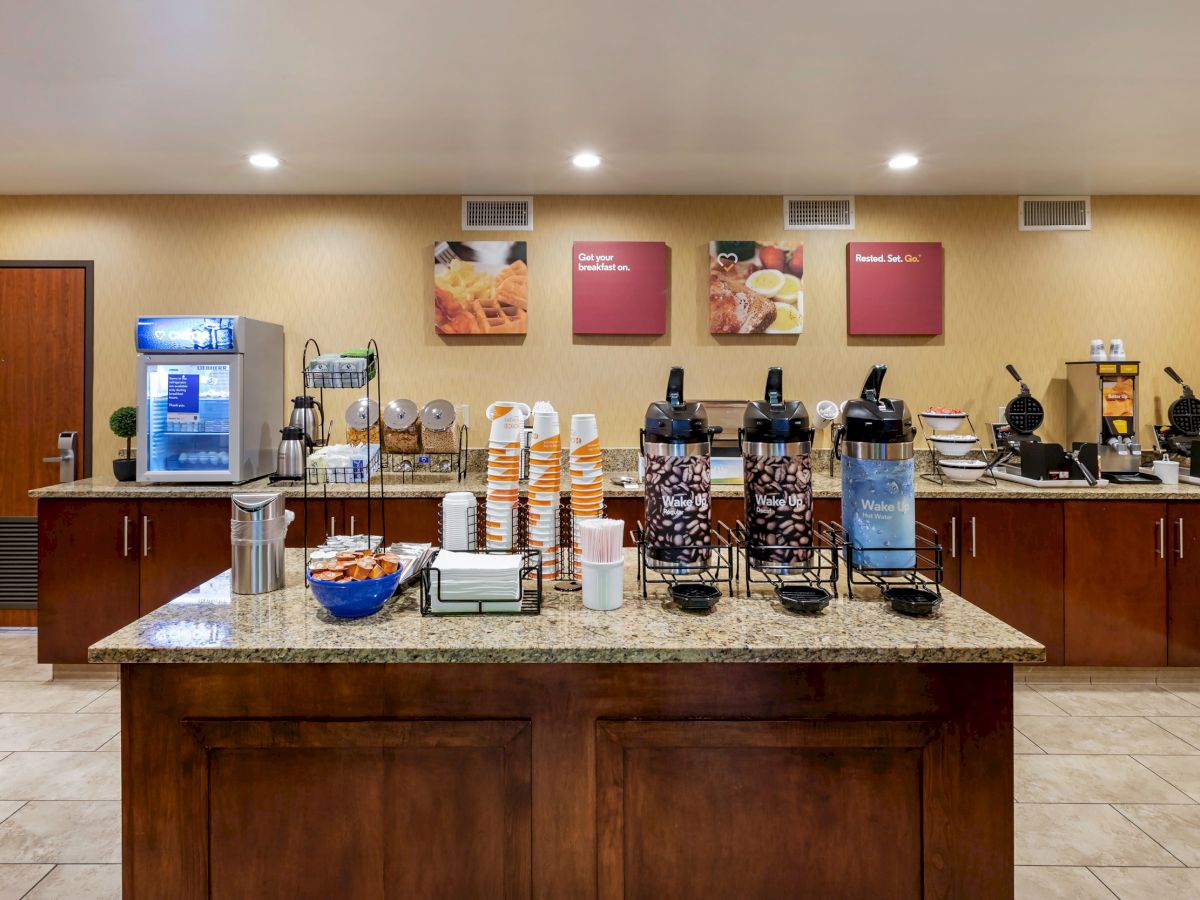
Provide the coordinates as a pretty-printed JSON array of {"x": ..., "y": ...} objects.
[{"x": 187, "y": 415}]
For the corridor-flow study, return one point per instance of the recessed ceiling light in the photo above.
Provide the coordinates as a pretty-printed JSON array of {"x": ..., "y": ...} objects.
[
  {"x": 264, "y": 161},
  {"x": 585, "y": 160},
  {"x": 902, "y": 161}
]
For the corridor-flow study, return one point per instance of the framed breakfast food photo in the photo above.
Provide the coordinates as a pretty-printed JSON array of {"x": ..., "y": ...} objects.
[
  {"x": 480, "y": 287},
  {"x": 755, "y": 288}
]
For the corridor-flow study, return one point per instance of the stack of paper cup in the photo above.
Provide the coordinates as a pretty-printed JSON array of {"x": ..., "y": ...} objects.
[
  {"x": 504, "y": 464},
  {"x": 545, "y": 486},
  {"x": 587, "y": 477}
]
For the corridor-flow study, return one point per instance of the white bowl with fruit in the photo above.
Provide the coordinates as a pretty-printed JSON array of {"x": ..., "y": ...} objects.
[{"x": 943, "y": 418}]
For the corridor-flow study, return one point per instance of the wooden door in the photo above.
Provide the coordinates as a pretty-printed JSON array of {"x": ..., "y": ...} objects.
[
  {"x": 181, "y": 544},
  {"x": 944, "y": 517},
  {"x": 43, "y": 389},
  {"x": 1116, "y": 583},
  {"x": 88, "y": 585},
  {"x": 1011, "y": 560},
  {"x": 1183, "y": 584}
]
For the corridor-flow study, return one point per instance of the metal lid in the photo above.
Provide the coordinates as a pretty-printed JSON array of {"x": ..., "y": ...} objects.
[
  {"x": 675, "y": 421},
  {"x": 257, "y": 506},
  {"x": 772, "y": 419},
  {"x": 875, "y": 419},
  {"x": 438, "y": 415},
  {"x": 305, "y": 402},
  {"x": 362, "y": 413},
  {"x": 292, "y": 433},
  {"x": 400, "y": 415}
]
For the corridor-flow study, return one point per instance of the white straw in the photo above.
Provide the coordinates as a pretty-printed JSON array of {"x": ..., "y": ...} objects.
[{"x": 600, "y": 540}]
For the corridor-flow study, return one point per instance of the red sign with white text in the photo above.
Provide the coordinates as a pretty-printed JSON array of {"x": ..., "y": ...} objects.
[
  {"x": 619, "y": 287},
  {"x": 894, "y": 288}
]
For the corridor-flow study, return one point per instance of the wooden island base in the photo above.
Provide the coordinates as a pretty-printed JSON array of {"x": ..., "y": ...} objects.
[{"x": 567, "y": 780}]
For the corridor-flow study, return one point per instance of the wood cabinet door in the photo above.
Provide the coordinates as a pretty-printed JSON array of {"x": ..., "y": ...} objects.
[
  {"x": 945, "y": 517},
  {"x": 88, "y": 574},
  {"x": 630, "y": 510},
  {"x": 1183, "y": 584},
  {"x": 1011, "y": 557},
  {"x": 413, "y": 519},
  {"x": 181, "y": 544},
  {"x": 1116, "y": 583},
  {"x": 317, "y": 523}
]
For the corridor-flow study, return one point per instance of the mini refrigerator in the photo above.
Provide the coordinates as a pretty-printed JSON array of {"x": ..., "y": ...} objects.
[{"x": 210, "y": 397}]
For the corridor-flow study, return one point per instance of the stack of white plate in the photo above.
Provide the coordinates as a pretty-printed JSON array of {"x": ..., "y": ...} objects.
[{"x": 458, "y": 521}]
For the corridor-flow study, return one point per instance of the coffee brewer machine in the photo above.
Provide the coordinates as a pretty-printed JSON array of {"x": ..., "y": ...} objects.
[
  {"x": 1180, "y": 437},
  {"x": 1102, "y": 406}
]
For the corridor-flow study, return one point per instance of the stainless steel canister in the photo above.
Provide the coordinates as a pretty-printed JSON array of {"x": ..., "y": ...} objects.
[{"x": 257, "y": 529}]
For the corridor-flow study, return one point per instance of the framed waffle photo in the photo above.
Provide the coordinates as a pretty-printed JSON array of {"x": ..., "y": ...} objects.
[{"x": 480, "y": 287}]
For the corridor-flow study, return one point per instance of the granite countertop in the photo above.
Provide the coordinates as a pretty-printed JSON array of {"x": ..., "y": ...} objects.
[
  {"x": 210, "y": 624},
  {"x": 824, "y": 486}
]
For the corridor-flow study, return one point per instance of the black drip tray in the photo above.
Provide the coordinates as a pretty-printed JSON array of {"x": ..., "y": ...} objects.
[
  {"x": 802, "y": 598},
  {"x": 694, "y": 596},
  {"x": 912, "y": 601}
]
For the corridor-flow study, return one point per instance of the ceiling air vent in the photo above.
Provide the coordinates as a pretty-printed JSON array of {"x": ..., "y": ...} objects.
[
  {"x": 1054, "y": 214},
  {"x": 497, "y": 213},
  {"x": 818, "y": 213}
]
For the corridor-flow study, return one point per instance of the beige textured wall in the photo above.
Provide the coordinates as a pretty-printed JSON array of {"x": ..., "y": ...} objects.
[{"x": 347, "y": 268}]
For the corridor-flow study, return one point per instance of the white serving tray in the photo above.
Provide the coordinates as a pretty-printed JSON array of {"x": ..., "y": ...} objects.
[{"x": 1048, "y": 483}]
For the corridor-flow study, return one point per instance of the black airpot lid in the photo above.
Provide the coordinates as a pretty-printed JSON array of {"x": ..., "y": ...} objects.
[
  {"x": 292, "y": 433},
  {"x": 675, "y": 421},
  {"x": 875, "y": 419},
  {"x": 774, "y": 419}
]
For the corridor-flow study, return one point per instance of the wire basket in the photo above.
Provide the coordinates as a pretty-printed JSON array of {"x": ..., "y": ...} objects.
[
  {"x": 531, "y": 590},
  {"x": 342, "y": 379},
  {"x": 360, "y": 471}
]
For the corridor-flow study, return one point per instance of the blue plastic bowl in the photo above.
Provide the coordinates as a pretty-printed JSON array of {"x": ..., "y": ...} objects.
[{"x": 354, "y": 598}]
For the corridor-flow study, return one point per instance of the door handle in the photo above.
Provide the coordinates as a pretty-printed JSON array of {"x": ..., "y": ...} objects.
[
  {"x": 972, "y": 537},
  {"x": 125, "y": 535},
  {"x": 1179, "y": 537},
  {"x": 145, "y": 535},
  {"x": 953, "y": 537},
  {"x": 1162, "y": 538}
]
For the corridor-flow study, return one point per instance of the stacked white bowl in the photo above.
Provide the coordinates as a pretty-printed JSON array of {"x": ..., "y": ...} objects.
[
  {"x": 587, "y": 476},
  {"x": 545, "y": 486},
  {"x": 503, "y": 472},
  {"x": 458, "y": 521}
]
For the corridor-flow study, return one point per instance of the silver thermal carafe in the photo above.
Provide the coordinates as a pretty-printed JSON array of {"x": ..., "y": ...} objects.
[
  {"x": 289, "y": 459},
  {"x": 776, "y": 442},
  {"x": 304, "y": 417},
  {"x": 677, "y": 445},
  {"x": 258, "y": 527}
]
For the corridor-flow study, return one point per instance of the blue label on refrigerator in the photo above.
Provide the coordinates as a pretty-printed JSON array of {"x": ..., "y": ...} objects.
[
  {"x": 183, "y": 397},
  {"x": 185, "y": 334}
]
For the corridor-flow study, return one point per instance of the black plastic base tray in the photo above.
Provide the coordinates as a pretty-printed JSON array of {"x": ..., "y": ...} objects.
[
  {"x": 912, "y": 601},
  {"x": 802, "y": 598},
  {"x": 694, "y": 596}
]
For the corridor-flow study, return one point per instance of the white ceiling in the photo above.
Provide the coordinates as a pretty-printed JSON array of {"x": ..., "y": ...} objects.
[{"x": 771, "y": 97}]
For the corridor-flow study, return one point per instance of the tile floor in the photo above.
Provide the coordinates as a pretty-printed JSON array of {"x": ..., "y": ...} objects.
[{"x": 1107, "y": 782}]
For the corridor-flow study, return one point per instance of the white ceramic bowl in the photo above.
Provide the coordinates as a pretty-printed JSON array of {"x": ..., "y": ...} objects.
[
  {"x": 953, "y": 444},
  {"x": 963, "y": 470},
  {"x": 943, "y": 421}
]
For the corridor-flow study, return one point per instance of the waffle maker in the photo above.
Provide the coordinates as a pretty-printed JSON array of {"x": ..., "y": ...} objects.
[
  {"x": 1022, "y": 456},
  {"x": 1179, "y": 438}
]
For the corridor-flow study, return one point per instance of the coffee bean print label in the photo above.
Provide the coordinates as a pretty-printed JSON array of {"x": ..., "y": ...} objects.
[
  {"x": 779, "y": 523},
  {"x": 678, "y": 500}
]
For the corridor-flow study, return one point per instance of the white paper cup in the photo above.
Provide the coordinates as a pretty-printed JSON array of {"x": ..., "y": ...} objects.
[{"x": 506, "y": 407}]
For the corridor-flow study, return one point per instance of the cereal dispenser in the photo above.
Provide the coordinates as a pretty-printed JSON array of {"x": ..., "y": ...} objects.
[
  {"x": 776, "y": 440},
  {"x": 677, "y": 445}
]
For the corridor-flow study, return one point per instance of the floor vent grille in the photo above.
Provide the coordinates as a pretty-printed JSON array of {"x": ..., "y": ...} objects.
[
  {"x": 497, "y": 213},
  {"x": 1054, "y": 214},
  {"x": 818, "y": 213}
]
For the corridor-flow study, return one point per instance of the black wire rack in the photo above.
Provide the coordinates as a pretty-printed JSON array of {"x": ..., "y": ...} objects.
[
  {"x": 924, "y": 574},
  {"x": 530, "y": 580},
  {"x": 804, "y": 576},
  {"x": 714, "y": 563},
  {"x": 374, "y": 486},
  {"x": 408, "y": 465}
]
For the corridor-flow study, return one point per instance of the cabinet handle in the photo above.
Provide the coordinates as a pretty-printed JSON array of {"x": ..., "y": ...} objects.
[
  {"x": 145, "y": 535},
  {"x": 953, "y": 537},
  {"x": 352, "y": 531},
  {"x": 332, "y": 526},
  {"x": 125, "y": 534},
  {"x": 1162, "y": 538},
  {"x": 972, "y": 537},
  {"x": 1179, "y": 537}
]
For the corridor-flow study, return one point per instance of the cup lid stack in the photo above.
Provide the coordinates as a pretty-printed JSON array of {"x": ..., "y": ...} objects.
[
  {"x": 587, "y": 475},
  {"x": 503, "y": 474},
  {"x": 545, "y": 486}
]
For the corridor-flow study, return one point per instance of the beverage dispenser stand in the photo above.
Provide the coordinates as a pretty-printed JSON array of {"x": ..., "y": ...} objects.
[
  {"x": 907, "y": 588},
  {"x": 937, "y": 476},
  {"x": 357, "y": 380},
  {"x": 804, "y": 586}
]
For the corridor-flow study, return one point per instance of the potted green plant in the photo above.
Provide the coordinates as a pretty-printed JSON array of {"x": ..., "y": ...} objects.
[{"x": 123, "y": 423}]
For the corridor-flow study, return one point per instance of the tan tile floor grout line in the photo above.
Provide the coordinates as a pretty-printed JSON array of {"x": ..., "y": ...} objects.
[{"x": 1118, "y": 811}]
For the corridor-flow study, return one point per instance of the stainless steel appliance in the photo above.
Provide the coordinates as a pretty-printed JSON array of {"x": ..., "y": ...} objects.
[
  {"x": 210, "y": 389},
  {"x": 258, "y": 526},
  {"x": 289, "y": 458},
  {"x": 312, "y": 429},
  {"x": 1102, "y": 407},
  {"x": 1179, "y": 439}
]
